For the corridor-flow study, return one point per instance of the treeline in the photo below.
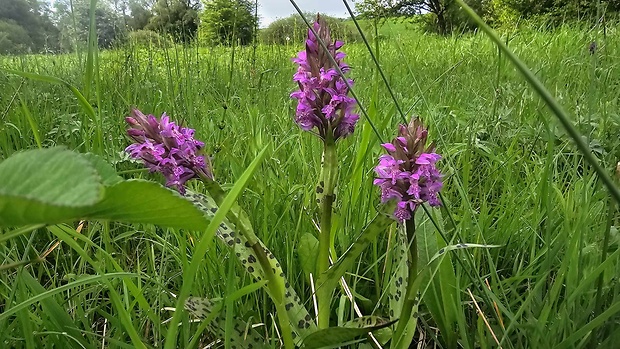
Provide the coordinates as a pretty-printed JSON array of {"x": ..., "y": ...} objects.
[
  {"x": 445, "y": 16},
  {"x": 35, "y": 26}
]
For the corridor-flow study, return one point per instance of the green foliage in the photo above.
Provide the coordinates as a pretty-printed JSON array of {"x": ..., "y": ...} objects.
[
  {"x": 345, "y": 334},
  {"x": 175, "y": 18},
  {"x": 228, "y": 21},
  {"x": 73, "y": 19},
  {"x": 13, "y": 38},
  {"x": 147, "y": 38},
  {"x": 292, "y": 29},
  {"x": 140, "y": 14},
  {"x": 25, "y": 26},
  {"x": 50, "y": 186},
  {"x": 564, "y": 10}
]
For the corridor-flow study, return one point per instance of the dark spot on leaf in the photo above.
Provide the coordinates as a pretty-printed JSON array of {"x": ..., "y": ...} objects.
[
  {"x": 442, "y": 250},
  {"x": 251, "y": 269},
  {"x": 251, "y": 259}
]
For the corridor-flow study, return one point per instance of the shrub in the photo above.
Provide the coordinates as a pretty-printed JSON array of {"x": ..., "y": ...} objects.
[
  {"x": 147, "y": 38},
  {"x": 294, "y": 29}
]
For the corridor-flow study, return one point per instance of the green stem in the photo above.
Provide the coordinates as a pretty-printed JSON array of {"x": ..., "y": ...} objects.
[
  {"x": 275, "y": 285},
  {"x": 325, "y": 191},
  {"x": 409, "y": 302},
  {"x": 276, "y": 289}
]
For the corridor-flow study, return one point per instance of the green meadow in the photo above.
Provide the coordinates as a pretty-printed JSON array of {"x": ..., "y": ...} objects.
[{"x": 514, "y": 181}]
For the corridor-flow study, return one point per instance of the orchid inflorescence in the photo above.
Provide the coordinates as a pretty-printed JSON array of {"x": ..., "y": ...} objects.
[
  {"x": 408, "y": 173},
  {"x": 323, "y": 100},
  {"x": 167, "y": 148}
]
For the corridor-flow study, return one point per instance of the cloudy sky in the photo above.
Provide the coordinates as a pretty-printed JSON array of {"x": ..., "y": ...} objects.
[{"x": 270, "y": 10}]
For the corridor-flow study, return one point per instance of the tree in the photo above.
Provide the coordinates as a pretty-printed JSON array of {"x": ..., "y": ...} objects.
[
  {"x": 563, "y": 9},
  {"x": 140, "y": 14},
  {"x": 26, "y": 27},
  {"x": 73, "y": 17},
  {"x": 293, "y": 29},
  {"x": 225, "y": 21},
  {"x": 445, "y": 15},
  {"x": 177, "y": 18}
]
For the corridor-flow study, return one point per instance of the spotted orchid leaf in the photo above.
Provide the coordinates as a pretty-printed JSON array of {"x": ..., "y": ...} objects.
[
  {"x": 301, "y": 321},
  {"x": 211, "y": 310},
  {"x": 349, "y": 331}
]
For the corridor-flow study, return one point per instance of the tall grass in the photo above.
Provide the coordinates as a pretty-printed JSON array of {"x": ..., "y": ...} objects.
[{"x": 513, "y": 179}]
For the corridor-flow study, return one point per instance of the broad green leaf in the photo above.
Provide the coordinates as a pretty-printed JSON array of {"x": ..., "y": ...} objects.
[
  {"x": 55, "y": 185},
  {"x": 105, "y": 170},
  {"x": 54, "y": 176},
  {"x": 334, "y": 336},
  {"x": 140, "y": 201},
  {"x": 307, "y": 250}
]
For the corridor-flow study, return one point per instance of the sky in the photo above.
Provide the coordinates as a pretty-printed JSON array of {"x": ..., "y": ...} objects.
[{"x": 270, "y": 10}]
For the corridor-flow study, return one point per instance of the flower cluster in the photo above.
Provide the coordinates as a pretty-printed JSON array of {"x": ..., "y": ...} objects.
[
  {"x": 408, "y": 173},
  {"x": 323, "y": 100},
  {"x": 165, "y": 147}
]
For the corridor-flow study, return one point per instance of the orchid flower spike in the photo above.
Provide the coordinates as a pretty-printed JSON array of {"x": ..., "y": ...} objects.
[
  {"x": 323, "y": 100},
  {"x": 167, "y": 148},
  {"x": 408, "y": 173}
]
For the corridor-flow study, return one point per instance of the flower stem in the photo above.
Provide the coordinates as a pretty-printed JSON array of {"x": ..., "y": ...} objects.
[
  {"x": 409, "y": 302},
  {"x": 275, "y": 285},
  {"x": 276, "y": 288},
  {"x": 325, "y": 191}
]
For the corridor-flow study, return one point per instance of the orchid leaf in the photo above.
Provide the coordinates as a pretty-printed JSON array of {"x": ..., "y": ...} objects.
[
  {"x": 349, "y": 331},
  {"x": 211, "y": 310},
  {"x": 301, "y": 321}
]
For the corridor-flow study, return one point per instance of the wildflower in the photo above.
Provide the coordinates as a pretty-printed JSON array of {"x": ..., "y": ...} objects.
[
  {"x": 323, "y": 100},
  {"x": 165, "y": 147},
  {"x": 408, "y": 173}
]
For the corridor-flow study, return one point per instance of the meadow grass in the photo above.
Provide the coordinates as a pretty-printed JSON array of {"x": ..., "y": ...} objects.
[{"x": 513, "y": 179}]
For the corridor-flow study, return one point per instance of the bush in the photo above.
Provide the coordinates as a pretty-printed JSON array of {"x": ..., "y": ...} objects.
[
  {"x": 14, "y": 38},
  {"x": 224, "y": 22},
  {"x": 148, "y": 38},
  {"x": 293, "y": 28}
]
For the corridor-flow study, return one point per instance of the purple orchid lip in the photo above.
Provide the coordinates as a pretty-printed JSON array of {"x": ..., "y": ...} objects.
[
  {"x": 165, "y": 147},
  {"x": 323, "y": 100},
  {"x": 408, "y": 173}
]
